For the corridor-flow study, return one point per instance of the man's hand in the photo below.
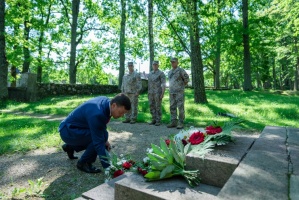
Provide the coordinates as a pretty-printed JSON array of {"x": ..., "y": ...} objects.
[{"x": 108, "y": 146}]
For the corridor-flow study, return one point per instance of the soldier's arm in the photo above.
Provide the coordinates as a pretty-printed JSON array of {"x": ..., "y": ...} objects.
[
  {"x": 185, "y": 77},
  {"x": 139, "y": 83},
  {"x": 163, "y": 83}
]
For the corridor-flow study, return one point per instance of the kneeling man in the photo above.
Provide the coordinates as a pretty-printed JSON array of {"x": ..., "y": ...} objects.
[{"x": 85, "y": 129}]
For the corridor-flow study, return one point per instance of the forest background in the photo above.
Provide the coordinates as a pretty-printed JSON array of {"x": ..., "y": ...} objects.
[{"x": 232, "y": 43}]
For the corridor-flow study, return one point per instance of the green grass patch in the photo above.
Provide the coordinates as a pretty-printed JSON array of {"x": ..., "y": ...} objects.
[
  {"x": 23, "y": 133},
  {"x": 257, "y": 108}
]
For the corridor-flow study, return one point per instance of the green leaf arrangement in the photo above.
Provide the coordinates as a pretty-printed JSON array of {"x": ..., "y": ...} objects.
[{"x": 168, "y": 161}]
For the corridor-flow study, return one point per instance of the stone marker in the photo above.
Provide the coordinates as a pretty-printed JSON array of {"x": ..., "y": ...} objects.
[
  {"x": 218, "y": 165},
  {"x": 135, "y": 187},
  {"x": 262, "y": 174}
]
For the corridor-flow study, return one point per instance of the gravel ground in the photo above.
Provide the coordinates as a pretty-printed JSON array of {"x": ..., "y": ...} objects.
[{"x": 60, "y": 178}]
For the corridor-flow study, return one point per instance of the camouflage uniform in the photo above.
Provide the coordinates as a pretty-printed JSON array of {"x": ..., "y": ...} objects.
[
  {"x": 156, "y": 84},
  {"x": 131, "y": 85},
  {"x": 178, "y": 78}
]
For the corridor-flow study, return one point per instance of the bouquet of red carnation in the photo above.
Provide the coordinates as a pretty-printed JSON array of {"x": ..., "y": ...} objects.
[{"x": 118, "y": 166}]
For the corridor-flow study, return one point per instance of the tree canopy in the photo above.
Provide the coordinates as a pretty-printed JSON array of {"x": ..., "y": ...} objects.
[{"x": 224, "y": 43}]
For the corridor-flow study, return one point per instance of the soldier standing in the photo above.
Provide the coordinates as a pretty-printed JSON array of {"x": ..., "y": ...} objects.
[
  {"x": 156, "y": 89},
  {"x": 131, "y": 86},
  {"x": 178, "y": 79}
]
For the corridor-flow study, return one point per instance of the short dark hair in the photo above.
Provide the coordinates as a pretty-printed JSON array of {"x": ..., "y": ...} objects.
[{"x": 122, "y": 100}]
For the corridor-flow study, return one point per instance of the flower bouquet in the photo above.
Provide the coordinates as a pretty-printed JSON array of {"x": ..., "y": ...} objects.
[
  {"x": 166, "y": 161},
  {"x": 169, "y": 159},
  {"x": 118, "y": 165}
]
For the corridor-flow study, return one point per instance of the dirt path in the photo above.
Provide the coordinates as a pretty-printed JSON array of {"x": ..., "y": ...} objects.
[{"x": 60, "y": 178}]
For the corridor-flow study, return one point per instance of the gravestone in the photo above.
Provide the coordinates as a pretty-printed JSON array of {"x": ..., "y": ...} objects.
[{"x": 26, "y": 89}]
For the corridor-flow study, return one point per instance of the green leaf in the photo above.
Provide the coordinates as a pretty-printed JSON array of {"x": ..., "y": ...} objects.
[
  {"x": 174, "y": 150},
  {"x": 187, "y": 148},
  {"x": 165, "y": 148},
  {"x": 157, "y": 150},
  {"x": 167, "y": 171},
  {"x": 153, "y": 175},
  {"x": 158, "y": 165},
  {"x": 155, "y": 157}
]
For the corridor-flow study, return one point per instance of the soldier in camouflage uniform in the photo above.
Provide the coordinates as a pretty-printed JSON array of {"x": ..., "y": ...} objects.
[
  {"x": 131, "y": 86},
  {"x": 178, "y": 79},
  {"x": 156, "y": 89}
]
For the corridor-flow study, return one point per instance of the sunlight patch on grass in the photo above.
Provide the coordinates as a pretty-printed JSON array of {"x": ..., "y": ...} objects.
[{"x": 21, "y": 133}]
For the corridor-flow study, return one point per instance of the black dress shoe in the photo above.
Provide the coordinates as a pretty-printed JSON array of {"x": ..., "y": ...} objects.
[
  {"x": 87, "y": 167},
  {"x": 69, "y": 151}
]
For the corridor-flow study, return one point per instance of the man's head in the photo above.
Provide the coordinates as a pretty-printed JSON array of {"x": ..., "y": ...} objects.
[
  {"x": 131, "y": 66},
  {"x": 155, "y": 65},
  {"x": 174, "y": 62},
  {"x": 119, "y": 105}
]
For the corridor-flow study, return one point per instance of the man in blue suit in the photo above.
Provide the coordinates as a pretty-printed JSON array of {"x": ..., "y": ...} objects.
[{"x": 85, "y": 129}]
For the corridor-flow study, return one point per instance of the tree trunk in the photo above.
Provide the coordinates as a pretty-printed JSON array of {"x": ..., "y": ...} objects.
[
  {"x": 26, "y": 51},
  {"x": 247, "y": 69},
  {"x": 3, "y": 61},
  {"x": 73, "y": 66},
  {"x": 122, "y": 43},
  {"x": 150, "y": 33},
  {"x": 196, "y": 58},
  {"x": 40, "y": 45},
  {"x": 218, "y": 48}
]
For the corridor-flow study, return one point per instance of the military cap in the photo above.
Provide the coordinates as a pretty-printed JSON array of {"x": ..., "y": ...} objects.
[
  {"x": 155, "y": 62},
  {"x": 130, "y": 63},
  {"x": 173, "y": 59}
]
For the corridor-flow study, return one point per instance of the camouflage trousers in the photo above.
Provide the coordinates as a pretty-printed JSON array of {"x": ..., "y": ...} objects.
[
  {"x": 132, "y": 114},
  {"x": 155, "y": 106},
  {"x": 177, "y": 102}
]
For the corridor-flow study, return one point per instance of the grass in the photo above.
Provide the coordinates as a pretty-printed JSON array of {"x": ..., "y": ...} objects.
[
  {"x": 21, "y": 133},
  {"x": 257, "y": 108}
]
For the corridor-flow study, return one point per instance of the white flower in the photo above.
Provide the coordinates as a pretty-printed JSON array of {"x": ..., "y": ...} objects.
[
  {"x": 121, "y": 155},
  {"x": 149, "y": 150},
  {"x": 146, "y": 159},
  {"x": 119, "y": 162},
  {"x": 107, "y": 172}
]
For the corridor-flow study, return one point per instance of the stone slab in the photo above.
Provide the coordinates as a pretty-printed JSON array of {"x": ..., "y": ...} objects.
[
  {"x": 104, "y": 191},
  {"x": 294, "y": 187},
  {"x": 261, "y": 175},
  {"x": 294, "y": 159},
  {"x": 272, "y": 139},
  {"x": 135, "y": 188},
  {"x": 293, "y": 136},
  {"x": 216, "y": 168}
]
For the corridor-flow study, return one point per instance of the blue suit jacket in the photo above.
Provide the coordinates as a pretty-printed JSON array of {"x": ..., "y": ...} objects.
[{"x": 87, "y": 123}]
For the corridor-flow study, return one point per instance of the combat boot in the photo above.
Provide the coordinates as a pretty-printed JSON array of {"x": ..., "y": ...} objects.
[
  {"x": 152, "y": 122},
  {"x": 180, "y": 125},
  {"x": 127, "y": 121},
  {"x": 173, "y": 124}
]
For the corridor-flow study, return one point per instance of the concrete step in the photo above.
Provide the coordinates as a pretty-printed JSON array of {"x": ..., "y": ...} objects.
[
  {"x": 263, "y": 173},
  {"x": 134, "y": 187},
  {"x": 217, "y": 166}
]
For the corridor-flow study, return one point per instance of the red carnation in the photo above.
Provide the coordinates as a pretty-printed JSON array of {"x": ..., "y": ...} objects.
[
  {"x": 127, "y": 165},
  {"x": 167, "y": 142},
  {"x": 118, "y": 173},
  {"x": 143, "y": 172},
  {"x": 197, "y": 138},
  {"x": 211, "y": 130}
]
